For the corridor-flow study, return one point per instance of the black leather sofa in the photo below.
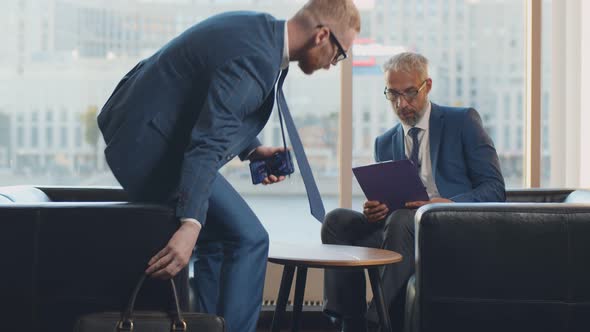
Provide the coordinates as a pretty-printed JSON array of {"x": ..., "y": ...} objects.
[
  {"x": 521, "y": 266},
  {"x": 70, "y": 251}
]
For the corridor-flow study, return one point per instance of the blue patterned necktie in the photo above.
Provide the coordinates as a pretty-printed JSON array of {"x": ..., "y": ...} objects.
[
  {"x": 313, "y": 194},
  {"x": 413, "y": 132}
]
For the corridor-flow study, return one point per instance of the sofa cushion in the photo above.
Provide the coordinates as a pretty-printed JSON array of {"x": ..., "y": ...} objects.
[
  {"x": 578, "y": 196},
  {"x": 22, "y": 194}
]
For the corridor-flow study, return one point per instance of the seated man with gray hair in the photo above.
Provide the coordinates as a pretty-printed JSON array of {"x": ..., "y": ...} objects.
[{"x": 457, "y": 162}]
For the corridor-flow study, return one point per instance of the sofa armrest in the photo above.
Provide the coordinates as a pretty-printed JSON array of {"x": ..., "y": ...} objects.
[
  {"x": 410, "y": 314},
  {"x": 83, "y": 258}
]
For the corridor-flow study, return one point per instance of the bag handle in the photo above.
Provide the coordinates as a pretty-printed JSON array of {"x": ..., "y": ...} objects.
[{"x": 126, "y": 322}]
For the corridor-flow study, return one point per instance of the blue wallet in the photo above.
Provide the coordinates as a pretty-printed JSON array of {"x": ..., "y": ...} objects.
[{"x": 278, "y": 164}]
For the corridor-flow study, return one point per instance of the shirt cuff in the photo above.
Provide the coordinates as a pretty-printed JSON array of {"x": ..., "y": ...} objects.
[
  {"x": 193, "y": 220},
  {"x": 250, "y": 153}
]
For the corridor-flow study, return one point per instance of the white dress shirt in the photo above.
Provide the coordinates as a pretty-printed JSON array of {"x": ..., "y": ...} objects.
[
  {"x": 423, "y": 152},
  {"x": 285, "y": 60}
]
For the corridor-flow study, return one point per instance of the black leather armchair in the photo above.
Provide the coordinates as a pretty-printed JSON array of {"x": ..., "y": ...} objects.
[
  {"x": 503, "y": 266},
  {"x": 71, "y": 251}
]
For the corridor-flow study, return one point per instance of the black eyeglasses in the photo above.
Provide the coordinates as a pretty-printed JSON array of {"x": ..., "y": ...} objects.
[
  {"x": 409, "y": 95},
  {"x": 341, "y": 55}
]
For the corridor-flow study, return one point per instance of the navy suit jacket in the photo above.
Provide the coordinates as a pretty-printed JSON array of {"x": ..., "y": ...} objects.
[
  {"x": 465, "y": 164},
  {"x": 178, "y": 116}
]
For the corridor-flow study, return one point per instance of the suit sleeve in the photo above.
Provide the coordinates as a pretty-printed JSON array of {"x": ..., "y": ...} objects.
[
  {"x": 376, "y": 150},
  {"x": 482, "y": 163},
  {"x": 235, "y": 90},
  {"x": 249, "y": 149}
]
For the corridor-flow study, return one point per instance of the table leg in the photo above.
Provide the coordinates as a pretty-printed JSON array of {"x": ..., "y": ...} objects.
[
  {"x": 380, "y": 304},
  {"x": 284, "y": 289},
  {"x": 299, "y": 292}
]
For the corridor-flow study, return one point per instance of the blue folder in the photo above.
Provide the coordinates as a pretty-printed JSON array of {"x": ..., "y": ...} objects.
[{"x": 391, "y": 182}]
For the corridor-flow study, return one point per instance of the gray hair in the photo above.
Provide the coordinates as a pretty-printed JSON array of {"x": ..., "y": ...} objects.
[{"x": 407, "y": 62}]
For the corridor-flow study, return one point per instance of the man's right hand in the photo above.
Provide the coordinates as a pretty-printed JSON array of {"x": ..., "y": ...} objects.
[
  {"x": 177, "y": 253},
  {"x": 375, "y": 211}
]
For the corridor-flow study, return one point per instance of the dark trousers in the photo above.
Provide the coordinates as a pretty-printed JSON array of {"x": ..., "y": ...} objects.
[
  {"x": 344, "y": 291},
  {"x": 231, "y": 250}
]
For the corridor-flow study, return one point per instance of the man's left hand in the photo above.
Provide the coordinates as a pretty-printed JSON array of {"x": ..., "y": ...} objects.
[
  {"x": 263, "y": 152},
  {"x": 417, "y": 204}
]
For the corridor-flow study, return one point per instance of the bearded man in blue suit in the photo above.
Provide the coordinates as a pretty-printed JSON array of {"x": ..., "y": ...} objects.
[
  {"x": 457, "y": 162},
  {"x": 180, "y": 115}
]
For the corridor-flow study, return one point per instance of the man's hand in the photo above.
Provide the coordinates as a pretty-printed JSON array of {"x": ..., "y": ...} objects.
[
  {"x": 263, "y": 152},
  {"x": 177, "y": 253},
  {"x": 417, "y": 204},
  {"x": 375, "y": 211}
]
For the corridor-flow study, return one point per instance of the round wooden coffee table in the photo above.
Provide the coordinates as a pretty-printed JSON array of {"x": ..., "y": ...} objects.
[{"x": 302, "y": 257}]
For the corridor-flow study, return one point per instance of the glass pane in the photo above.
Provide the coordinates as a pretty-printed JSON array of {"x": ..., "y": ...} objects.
[
  {"x": 61, "y": 60},
  {"x": 546, "y": 79},
  {"x": 476, "y": 53}
]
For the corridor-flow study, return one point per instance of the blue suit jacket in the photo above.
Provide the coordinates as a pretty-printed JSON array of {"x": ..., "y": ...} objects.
[
  {"x": 177, "y": 117},
  {"x": 465, "y": 164}
]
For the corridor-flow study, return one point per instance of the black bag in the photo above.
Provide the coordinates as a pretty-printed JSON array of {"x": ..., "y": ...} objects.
[{"x": 149, "y": 321}]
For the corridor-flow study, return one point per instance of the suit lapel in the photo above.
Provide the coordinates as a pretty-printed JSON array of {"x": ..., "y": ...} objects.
[
  {"x": 436, "y": 124},
  {"x": 398, "y": 143}
]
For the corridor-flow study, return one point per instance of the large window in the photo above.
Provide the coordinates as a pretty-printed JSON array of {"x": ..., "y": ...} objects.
[{"x": 61, "y": 59}]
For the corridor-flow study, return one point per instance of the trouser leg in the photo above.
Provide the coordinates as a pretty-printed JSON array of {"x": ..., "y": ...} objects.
[
  {"x": 398, "y": 236},
  {"x": 232, "y": 252},
  {"x": 345, "y": 290}
]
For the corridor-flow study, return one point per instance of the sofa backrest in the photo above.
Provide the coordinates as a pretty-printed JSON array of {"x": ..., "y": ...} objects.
[
  {"x": 85, "y": 194},
  {"x": 22, "y": 194},
  {"x": 537, "y": 195}
]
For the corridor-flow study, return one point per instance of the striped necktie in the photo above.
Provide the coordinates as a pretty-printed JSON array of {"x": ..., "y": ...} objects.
[{"x": 413, "y": 132}]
